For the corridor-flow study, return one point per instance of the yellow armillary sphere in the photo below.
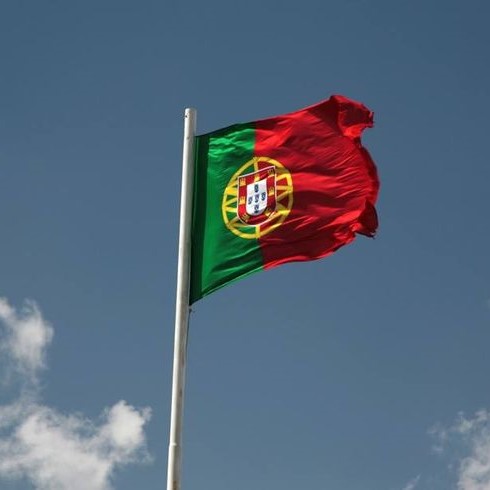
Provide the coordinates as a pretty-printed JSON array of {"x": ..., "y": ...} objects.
[{"x": 258, "y": 198}]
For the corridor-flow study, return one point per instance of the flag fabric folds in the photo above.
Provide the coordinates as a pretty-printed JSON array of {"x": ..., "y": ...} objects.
[{"x": 294, "y": 187}]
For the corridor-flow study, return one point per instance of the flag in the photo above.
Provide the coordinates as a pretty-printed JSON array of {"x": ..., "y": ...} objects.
[{"x": 294, "y": 187}]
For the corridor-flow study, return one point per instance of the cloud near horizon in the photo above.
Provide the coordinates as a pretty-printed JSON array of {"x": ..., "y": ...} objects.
[{"x": 52, "y": 450}]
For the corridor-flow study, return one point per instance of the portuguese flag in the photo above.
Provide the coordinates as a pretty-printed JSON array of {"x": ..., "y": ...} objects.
[{"x": 289, "y": 188}]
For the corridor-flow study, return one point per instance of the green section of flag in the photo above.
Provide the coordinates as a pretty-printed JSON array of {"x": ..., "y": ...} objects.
[{"x": 219, "y": 256}]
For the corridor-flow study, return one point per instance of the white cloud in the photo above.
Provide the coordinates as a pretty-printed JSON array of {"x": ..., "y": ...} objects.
[
  {"x": 471, "y": 437},
  {"x": 52, "y": 450},
  {"x": 69, "y": 452},
  {"x": 412, "y": 484},
  {"x": 26, "y": 337}
]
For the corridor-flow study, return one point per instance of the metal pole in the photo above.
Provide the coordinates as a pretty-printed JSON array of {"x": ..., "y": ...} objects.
[{"x": 182, "y": 304}]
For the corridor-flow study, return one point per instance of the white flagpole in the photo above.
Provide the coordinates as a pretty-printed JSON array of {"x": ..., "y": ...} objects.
[{"x": 182, "y": 304}]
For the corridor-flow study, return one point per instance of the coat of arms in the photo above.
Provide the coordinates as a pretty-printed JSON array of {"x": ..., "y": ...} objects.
[{"x": 257, "y": 196}]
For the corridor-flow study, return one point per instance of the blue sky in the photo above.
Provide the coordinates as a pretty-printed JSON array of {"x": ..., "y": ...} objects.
[{"x": 364, "y": 371}]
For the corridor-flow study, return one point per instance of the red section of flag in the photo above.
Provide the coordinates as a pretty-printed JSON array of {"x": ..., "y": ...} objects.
[{"x": 334, "y": 179}]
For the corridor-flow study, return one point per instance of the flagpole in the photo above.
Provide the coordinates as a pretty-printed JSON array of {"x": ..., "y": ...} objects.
[{"x": 182, "y": 304}]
